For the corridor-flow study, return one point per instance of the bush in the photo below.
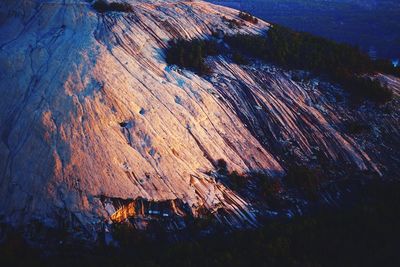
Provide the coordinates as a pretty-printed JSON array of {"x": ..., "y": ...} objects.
[
  {"x": 237, "y": 181},
  {"x": 232, "y": 23},
  {"x": 239, "y": 59},
  {"x": 247, "y": 44},
  {"x": 299, "y": 176},
  {"x": 247, "y": 17},
  {"x": 191, "y": 54},
  {"x": 340, "y": 62},
  {"x": 269, "y": 186},
  {"x": 365, "y": 233},
  {"x": 365, "y": 87},
  {"x": 102, "y": 6},
  {"x": 354, "y": 127},
  {"x": 386, "y": 66},
  {"x": 222, "y": 167},
  {"x": 125, "y": 234}
]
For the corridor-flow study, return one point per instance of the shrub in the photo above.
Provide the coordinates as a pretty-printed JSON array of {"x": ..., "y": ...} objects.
[
  {"x": 232, "y": 23},
  {"x": 191, "y": 54},
  {"x": 236, "y": 180},
  {"x": 222, "y": 167},
  {"x": 126, "y": 235},
  {"x": 365, "y": 233},
  {"x": 247, "y": 17},
  {"x": 386, "y": 66},
  {"x": 102, "y": 6},
  {"x": 365, "y": 87},
  {"x": 239, "y": 59},
  {"x": 342, "y": 63},
  {"x": 247, "y": 44},
  {"x": 354, "y": 127},
  {"x": 299, "y": 176},
  {"x": 269, "y": 186}
]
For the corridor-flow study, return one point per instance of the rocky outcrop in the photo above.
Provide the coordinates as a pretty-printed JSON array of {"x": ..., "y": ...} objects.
[{"x": 89, "y": 108}]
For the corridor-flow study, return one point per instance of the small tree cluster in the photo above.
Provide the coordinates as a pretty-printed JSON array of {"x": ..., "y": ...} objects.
[
  {"x": 239, "y": 58},
  {"x": 237, "y": 181},
  {"x": 191, "y": 54},
  {"x": 300, "y": 176},
  {"x": 232, "y": 23},
  {"x": 222, "y": 167},
  {"x": 342, "y": 63},
  {"x": 268, "y": 186},
  {"x": 355, "y": 127},
  {"x": 365, "y": 87},
  {"x": 247, "y": 17},
  {"x": 102, "y": 6}
]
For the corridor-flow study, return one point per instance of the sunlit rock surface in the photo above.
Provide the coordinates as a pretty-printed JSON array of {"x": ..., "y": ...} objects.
[{"x": 90, "y": 110}]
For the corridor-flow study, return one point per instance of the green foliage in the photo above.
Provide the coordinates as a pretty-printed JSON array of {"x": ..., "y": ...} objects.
[
  {"x": 350, "y": 21},
  {"x": 269, "y": 187},
  {"x": 306, "y": 51},
  {"x": 365, "y": 87},
  {"x": 205, "y": 221},
  {"x": 247, "y": 17},
  {"x": 386, "y": 66},
  {"x": 248, "y": 44},
  {"x": 102, "y": 6},
  {"x": 265, "y": 186},
  {"x": 343, "y": 64},
  {"x": 191, "y": 54},
  {"x": 294, "y": 50},
  {"x": 239, "y": 59},
  {"x": 126, "y": 235},
  {"x": 222, "y": 167},
  {"x": 302, "y": 177},
  {"x": 355, "y": 127},
  {"x": 232, "y": 23},
  {"x": 236, "y": 180}
]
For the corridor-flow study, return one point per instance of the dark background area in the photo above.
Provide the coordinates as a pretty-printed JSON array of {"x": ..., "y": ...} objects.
[
  {"x": 365, "y": 233},
  {"x": 373, "y": 25}
]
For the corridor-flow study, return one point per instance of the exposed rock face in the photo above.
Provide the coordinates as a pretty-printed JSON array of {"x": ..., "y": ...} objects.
[{"x": 89, "y": 109}]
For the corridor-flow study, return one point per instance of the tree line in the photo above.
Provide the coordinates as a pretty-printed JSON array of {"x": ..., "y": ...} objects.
[
  {"x": 102, "y": 6},
  {"x": 343, "y": 64}
]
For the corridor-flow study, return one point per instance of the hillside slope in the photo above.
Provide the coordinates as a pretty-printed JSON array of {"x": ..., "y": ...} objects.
[{"x": 91, "y": 114}]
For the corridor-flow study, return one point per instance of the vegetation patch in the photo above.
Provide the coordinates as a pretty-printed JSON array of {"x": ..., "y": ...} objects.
[
  {"x": 364, "y": 87},
  {"x": 363, "y": 234},
  {"x": 300, "y": 177},
  {"x": 102, "y": 6},
  {"x": 232, "y": 23},
  {"x": 222, "y": 167},
  {"x": 237, "y": 181},
  {"x": 240, "y": 59},
  {"x": 266, "y": 187},
  {"x": 340, "y": 63},
  {"x": 355, "y": 127},
  {"x": 191, "y": 54},
  {"x": 304, "y": 178},
  {"x": 247, "y": 17}
]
